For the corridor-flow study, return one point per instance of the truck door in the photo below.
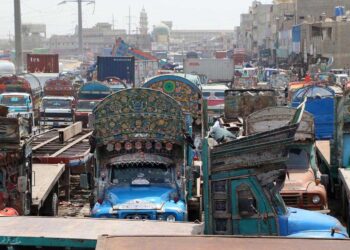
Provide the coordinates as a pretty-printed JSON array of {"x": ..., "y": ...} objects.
[{"x": 250, "y": 213}]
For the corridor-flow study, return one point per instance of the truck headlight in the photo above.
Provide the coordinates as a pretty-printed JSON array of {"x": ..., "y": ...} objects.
[
  {"x": 316, "y": 199},
  {"x": 171, "y": 218}
]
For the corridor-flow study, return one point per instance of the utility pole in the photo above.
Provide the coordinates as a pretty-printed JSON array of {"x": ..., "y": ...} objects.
[
  {"x": 18, "y": 37},
  {"x": 80, "y": 21},
  {"x": 80, "y": 28}
]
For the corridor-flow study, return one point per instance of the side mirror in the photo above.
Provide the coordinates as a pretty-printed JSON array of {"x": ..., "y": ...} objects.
[
  {"x": 325, "y": 180},
  {"x": 22, "y": 184},
  {"x": 84, "y": 181}
]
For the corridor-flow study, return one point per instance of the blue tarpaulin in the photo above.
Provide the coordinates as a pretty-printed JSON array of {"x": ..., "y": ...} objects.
[{"x": 320, "y": 103}]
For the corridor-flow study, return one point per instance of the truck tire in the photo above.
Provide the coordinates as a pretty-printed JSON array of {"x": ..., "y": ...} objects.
[{"x": 50, "y": 207}]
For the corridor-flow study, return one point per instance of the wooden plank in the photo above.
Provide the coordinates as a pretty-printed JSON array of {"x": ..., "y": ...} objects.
[
  {"x": 46, "y": 176},
  {"x": 89, "y": 228},
  {"x": 216, "y": 242},
  {"x": 324, "y": 148},
  {"x": 69, "y": 132},
  {"x": 71, "y": 144}
]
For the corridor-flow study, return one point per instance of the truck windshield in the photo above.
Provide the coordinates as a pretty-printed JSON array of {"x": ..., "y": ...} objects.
[
  {"x": 56, "y": 104},
  {"x": 14, "y": 100},
  {"x": 141, "y": 175},
  {"x": 86, "y": 105},
  {"x": 298, "y": 159}
]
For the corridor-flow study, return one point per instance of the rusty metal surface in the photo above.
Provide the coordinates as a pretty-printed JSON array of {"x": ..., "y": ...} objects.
[
  {"x": 253, "y": 151},
  {"x": 276, "y": 117},
  {"x": 46, "y": 176},
  {"x": 43, "y": 154},
  {"x": 241, "y": 103},
  {"x": 324, "y": 148},
  {"x": 9, "y": 130},
  {"x": 222, "y": 243},
  {"x": 90, "y": 229}
]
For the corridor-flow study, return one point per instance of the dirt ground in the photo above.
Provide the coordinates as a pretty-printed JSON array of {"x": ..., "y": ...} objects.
[{"x": 78, "y": 206}]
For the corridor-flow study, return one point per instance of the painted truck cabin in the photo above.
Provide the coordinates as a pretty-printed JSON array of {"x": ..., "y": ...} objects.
[
  {"x": 242, "y": 182},
  {"x": 89, "y": 95},
  {"x": 302, "y": 187},
  {"x": 140, "y": 156}
]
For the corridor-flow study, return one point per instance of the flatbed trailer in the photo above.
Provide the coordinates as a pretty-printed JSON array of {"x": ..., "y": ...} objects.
[
  {"x": 69, "y": 146},
  {"x": 217, "y": 242},
  {"x": 45, "y": 183},
  {"x": 23, "y": 232}
]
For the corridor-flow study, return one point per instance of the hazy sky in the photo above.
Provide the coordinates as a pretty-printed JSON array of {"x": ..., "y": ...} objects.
[{"x": 185, "y": 14}]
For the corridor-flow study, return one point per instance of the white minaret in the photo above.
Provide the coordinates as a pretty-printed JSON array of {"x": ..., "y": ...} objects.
[{"x": 143, "y": 22}]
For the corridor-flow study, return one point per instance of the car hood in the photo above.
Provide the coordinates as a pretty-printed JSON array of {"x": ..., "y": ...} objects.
[
  {"x": 298, "y": 180},
  {"x": 156, "y": 194},
  {"x": 15, "y": 109},
  {"x": 53, "y": 110},
  {"x": 302, "y": 222}
]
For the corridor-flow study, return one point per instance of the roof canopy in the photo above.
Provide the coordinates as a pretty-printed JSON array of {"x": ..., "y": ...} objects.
[
  {"x": 138, "y": 115},
  {"x": 183, "y": 90}
]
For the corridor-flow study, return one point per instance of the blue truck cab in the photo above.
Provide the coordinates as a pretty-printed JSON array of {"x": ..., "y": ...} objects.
[
  {"x": 19, "y": 104},
  {"x": 140, "y": 157},
  {"x": 242, "y": 183}
]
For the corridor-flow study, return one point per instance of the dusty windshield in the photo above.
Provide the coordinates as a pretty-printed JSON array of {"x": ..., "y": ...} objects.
[
  {"x": 298, "y": 159},
  {"x": 57, "y": 104},
  {"x": 143, "y": 175},
  {"x": 87, "y": 105},
  {"x": 13, "y": 100}
]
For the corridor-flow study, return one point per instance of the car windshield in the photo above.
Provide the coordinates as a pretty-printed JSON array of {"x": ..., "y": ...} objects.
[
  {"x": 206, "y": 94},
  {"x": 141, "y": 175},
  {"x": 56, "y": 104},
  {"x": 86, "y": 105},
  {"x": 13, "y": 100},
  {"x": 298, "y": 159}
]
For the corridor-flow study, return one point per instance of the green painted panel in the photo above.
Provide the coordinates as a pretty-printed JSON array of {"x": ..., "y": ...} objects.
[
  {"x": 47, "y": 242},
  {"x": 138, "y": 114}
]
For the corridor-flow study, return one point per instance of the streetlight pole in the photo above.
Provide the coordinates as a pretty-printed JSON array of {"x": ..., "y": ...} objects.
[
  {"x": 18, "y": 36},
  {"x": 80, "y": 21}
]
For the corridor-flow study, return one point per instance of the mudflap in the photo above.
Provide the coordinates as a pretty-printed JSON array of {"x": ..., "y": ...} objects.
[{"x": 194, "y": 209}]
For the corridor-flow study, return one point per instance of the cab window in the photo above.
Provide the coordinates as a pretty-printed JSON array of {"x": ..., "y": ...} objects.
[
  {"x": 206, "y": 94},
  {"x": 246, "y": 201},
  {"x": 220, "y": 94}
]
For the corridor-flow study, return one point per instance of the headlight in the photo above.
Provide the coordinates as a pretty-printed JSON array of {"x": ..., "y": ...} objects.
[
  {"x": 171, "y": 218},
  {"x": 316, "y": 199}
]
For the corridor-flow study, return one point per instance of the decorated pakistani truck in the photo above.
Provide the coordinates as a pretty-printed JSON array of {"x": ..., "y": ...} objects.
[
  {"x": 303, "y": 187},
  {"x": 186, "y": 90},
  {"x": 242, "y": 183},
  {"x": 89, "y": 95},
  {"x": 139, "y": 145}
]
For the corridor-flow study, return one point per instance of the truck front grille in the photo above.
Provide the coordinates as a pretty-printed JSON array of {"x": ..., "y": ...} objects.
[
  {"x": 291, "y": 199},
  {"x": 55, "y": 114}
]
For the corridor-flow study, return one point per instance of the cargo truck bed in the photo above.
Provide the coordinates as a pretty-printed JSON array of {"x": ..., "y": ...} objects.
[
  {"x": 217, "y": 242},
  {"x": 45, "y": 177},
  {"x": 82, "y": 232}
]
